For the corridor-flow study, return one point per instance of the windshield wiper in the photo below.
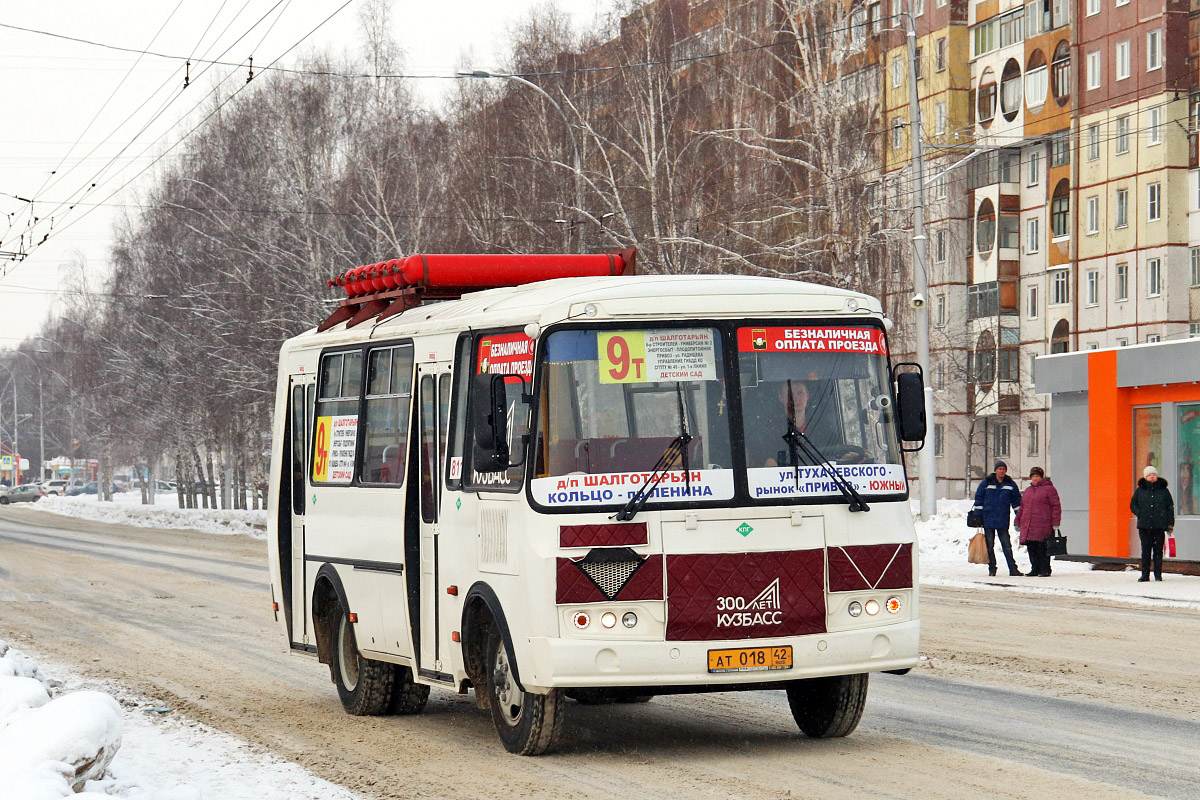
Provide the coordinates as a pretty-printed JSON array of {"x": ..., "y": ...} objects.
[
  {"x": 797, "y": 440},
  {"x": 676, "y": 449}
]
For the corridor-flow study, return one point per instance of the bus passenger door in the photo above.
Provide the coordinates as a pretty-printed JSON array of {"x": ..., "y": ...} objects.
[
  {"x": 433, "y": 384},
  {"x": 292, "y": 565}
]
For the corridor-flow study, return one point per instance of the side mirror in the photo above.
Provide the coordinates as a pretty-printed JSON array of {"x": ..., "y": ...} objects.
[
  {"x": 489, "y": 424},
  {"x": 910, "y": 407}
]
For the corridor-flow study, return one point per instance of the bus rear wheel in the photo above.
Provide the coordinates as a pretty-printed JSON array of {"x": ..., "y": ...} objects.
[
  {"x": 408, "y": 696},
  {"x": 364, "y": 685},
  {"x": 528, "y": 724},
  {"x": 828, "y": 707}
]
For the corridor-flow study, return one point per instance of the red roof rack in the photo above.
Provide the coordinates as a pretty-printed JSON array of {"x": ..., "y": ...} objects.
[{"x": 390, "y": 287}]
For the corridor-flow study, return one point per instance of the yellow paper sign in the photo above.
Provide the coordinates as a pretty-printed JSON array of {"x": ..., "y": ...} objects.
[
  {"x": 321, "y": 449},
  {"x": 622, "y": 357}
]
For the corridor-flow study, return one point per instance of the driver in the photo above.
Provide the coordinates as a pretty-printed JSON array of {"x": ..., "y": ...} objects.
[{"x": 767, "y": 418}]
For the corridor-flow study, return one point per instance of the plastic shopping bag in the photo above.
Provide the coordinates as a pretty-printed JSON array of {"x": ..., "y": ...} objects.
[
  {"x": 977, "y": 550},
  {"x": 1169, "y": 547}
]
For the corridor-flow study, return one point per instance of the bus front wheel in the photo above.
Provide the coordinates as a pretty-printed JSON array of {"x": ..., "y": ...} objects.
[
  {"x": 828, "y": 707},
  {"x": 528, "y": 724},
  {"x": 364, "y": 685}
]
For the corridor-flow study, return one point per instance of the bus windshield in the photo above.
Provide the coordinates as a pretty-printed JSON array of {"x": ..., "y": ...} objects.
[
  {"x": 837, "y": 378},
  {"x": 613, "y": 401}
]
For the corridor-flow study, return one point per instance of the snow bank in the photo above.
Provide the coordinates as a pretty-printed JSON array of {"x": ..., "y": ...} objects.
[
  {"x": 60, "y": 737},
  {"x": 126, "y": 508},
  {"x": 51, "y": 748}
]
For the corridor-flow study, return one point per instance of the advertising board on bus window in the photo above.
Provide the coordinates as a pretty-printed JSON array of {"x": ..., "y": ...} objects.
[{"x": 509, "y": 354}]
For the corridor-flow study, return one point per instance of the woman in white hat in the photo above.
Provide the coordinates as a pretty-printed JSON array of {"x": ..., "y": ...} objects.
[{"x": 1154, "y": 508}]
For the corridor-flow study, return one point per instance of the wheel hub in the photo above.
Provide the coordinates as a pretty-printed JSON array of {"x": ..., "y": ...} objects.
[
  {"x": 509, "y": 696},
  {"x": 347, "y": 656}
]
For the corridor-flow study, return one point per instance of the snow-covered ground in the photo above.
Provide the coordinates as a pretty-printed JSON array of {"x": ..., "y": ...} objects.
[
  {"x": 58, "y": 732},
  {"x": 126, "y": 508}
]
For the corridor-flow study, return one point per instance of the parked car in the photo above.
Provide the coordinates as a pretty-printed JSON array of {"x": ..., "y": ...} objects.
[
  {"x": 25, "y": 493},
  {"x": 165, "y": 486},
  {"x": 56, "y": 487},
  {"x": 88, "y": 488}
]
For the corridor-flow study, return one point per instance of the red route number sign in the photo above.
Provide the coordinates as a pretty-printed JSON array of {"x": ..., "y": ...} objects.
[{"x": 812, "y": 339}]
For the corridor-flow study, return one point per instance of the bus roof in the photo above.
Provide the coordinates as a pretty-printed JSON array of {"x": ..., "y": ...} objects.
[{"x": 613, "y": 298}]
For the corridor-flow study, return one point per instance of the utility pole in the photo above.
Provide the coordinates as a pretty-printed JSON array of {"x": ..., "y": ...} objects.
[{"x": 926, "y": 462}]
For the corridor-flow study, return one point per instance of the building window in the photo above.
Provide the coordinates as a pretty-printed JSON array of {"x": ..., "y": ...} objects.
[
  {"x": 1122, "y": 342},
  {"x": 1153, "y": 50},
  {"x": 1195, "y": 254},
  {"x": 897, "y": 72},
  {"x": 897, "y": 133},
  {"x": 939, "y": 245},
  {"x": 1060, "y": 289},
  {"x": 1154, "y": 276},
  {"x": 1010, "y": 232},
  {"x": 1154, "y": 125},
  {"x": 1000, "y": 439},
  {"x": 1194, "y": 329},
  {"x": 939, "y": 439},
  {"x": 1122, "y": 53},
  {"x": 940, "y": 375},
  {"x": 1033, "y": 302},
  {"x": 1035, "y": 167},
  {"x": 1010, "y": 363},
  {"x": 1122, "y": 3},
  {"x": 1122, "y": 281},
  {"x": 985, "y": 227},
  {"x": 939, "y": 51},
  {"x": 1152, "y": 338},
  {"x": 918, "y": 7},
  {"x": 1036, "y": 77},
  {"x": 1093, "y": 345},
  {"x": 939, "y": 187},
  {"x": 1093, "y": 288},
  {"x": 1123, "y": 134},
  {"x": 1093, "y": 70},
  {"x": 1060, "y": 210},
  {"x": 1034, "y": 435},
  {"x": 1093, "y": 142},
  {"x": 1093, "y": 215},
  {"x": 941, "y": 310},
  {"x": 1033, "y": 236},
  {"x": 917, "y": 67},
  {"x": 1060, "y": 73},
  {"x": 939, "y": 117},
  {"x": 1060, "y": 149},
  {"x": 1093, "y": 7},
  {"x": 1154, "y": 202},
  {"x": 1122, "y": 208}
]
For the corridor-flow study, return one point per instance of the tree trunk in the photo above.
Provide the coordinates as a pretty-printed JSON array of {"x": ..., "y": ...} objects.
[{"x": 200, "y": 480}]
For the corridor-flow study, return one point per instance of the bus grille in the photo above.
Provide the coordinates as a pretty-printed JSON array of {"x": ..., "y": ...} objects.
[{"x": 610, "y": 576}]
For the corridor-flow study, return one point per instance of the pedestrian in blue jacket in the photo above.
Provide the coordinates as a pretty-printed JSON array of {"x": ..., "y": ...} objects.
[{"x": 994, "y": 498}]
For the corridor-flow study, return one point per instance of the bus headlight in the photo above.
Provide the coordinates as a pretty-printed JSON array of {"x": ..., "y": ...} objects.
[
  {"x": 629, "y": 619},
  {"x": 608, "y": 619},
  {"x": 893, "y": 605},
  {"x": 872, "y": 607},
  {"x": 854, "y": 609}
]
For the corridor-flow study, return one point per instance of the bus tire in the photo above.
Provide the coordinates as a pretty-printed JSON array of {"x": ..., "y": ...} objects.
[
  {"x": 364, "y": 685},
  {"x": 528, "y": 724},
  {"x": 828, "y": 707},
  {"x": 408, "y": 696}
]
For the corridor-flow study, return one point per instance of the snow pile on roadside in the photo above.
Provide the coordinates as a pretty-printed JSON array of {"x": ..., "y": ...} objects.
[
  {"x": 58, "y": 737},
  {"x": 126, "y": 509},
  {"x": 945, "y": 536},
  {"x": 51, "y": 748}
]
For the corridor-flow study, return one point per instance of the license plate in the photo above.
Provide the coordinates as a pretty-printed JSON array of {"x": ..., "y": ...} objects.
[{"x": 750, "y": 659}]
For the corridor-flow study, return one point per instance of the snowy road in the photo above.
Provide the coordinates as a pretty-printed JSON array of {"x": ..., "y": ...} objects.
[{"x": 1022, "y": 695}]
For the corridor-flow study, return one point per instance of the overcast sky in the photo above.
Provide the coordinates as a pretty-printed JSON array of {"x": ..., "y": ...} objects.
[{"x": 75, "y": 114}]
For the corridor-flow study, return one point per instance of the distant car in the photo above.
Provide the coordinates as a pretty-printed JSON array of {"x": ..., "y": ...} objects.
[
  {"x": 25, "y": 493},
  {"x": 56, "y": 487},
  {"x": 88, "y": 488},
  {"x": 165, "y": 486}
]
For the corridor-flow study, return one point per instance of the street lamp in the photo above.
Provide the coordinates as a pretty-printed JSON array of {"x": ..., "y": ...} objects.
[
  {"x": 15, "y": 438},
  {"x": 41, "y": 417},
  {"x": 482, "y": 73}
]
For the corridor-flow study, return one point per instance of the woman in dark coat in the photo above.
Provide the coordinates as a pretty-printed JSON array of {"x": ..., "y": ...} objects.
[
  {"x": 1039, "y": 514},
  {"x": 1155, "y": 511}
]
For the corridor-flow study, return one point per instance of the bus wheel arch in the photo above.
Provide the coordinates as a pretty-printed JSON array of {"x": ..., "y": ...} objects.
[
  {"x": 482, "y": 611},
  {"x": 328, "y": 595}
]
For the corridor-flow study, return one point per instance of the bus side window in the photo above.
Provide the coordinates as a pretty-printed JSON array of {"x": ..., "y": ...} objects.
[
  {"x": 338, "y": 391},
  {"x": 458, "y": 415},
  {"x": 389, "y": 398}
]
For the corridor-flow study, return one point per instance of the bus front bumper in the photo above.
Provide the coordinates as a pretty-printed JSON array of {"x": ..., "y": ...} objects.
[{"x": 558, "y": 662}]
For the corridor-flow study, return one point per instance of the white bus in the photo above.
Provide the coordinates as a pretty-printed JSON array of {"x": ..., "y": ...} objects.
[{"x": 600, "y": 488}]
